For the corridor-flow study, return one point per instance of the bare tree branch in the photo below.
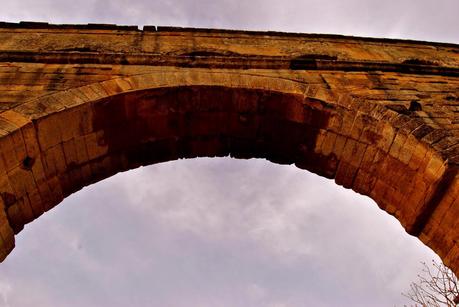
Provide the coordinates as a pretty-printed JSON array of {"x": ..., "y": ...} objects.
[{"x": 437, "y": 287}]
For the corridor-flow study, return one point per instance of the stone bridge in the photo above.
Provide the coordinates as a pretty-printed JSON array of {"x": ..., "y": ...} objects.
[{"x": 79, "y": 103}]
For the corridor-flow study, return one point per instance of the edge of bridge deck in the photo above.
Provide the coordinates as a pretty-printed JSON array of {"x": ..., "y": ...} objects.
[{"x": 151, "y": 28}]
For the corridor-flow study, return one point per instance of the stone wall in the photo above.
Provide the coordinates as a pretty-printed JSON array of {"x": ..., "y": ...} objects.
[{"x": 81, "y": 103}]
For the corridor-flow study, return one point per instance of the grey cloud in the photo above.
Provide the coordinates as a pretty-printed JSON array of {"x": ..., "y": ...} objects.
[
  {"x": 275, "y": 227},
  {"x": 424, "y": 20}
]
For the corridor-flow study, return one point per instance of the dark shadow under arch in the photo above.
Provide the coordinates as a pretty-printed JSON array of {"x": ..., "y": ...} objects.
[{"x": 359, "y": 146}]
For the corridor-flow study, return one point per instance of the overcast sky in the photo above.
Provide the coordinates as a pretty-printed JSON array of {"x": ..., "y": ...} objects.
[{"x": 222, "y": 232}]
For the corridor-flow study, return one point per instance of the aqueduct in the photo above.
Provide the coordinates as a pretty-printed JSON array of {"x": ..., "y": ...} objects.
[{"x": 79, "y": 103}]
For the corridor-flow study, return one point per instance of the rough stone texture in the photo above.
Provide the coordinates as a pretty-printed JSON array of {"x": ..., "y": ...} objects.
[{"x": 81, "y": 103}]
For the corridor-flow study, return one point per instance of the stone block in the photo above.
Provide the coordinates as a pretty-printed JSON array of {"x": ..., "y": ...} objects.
[
  {"x": 368, "y": 158},
  {"x": 339, "y": 146},
  {"x": 435, "y": 167},
  {"x": 67, "y": 99},
  {"x": 378, "y": 193},
  {"x": 70, "y": 153},
  {"x": 345, "y": 174},
  {"x": 397, "y": 145},
  {"x": 418, "y": 156},
  {"x": 3, "y": 168},
  {"x": 6, "y": 232},
  {"x": 49, "y": 133},
  {"x": 19, "y": 145},
  {"x": 95, "y": 145},
  {"x": 8, "y": 153},
  {"x": 75, "y": 122},
  {"x": 26, "y": 210},
  {"x": 51, "y": 193},
  {"x": 54, "y": 161},
  {"x": 406, "y": 152},
  {"x": 81, "y": 151},
  {"x": 387, "y": 137},
  {"x": 452, "y": 258},
  {"x": 320, "y": 138},
  {"x": 21, "y": 181},
  {"x": 328, "y": 143},
  {"x": 15, "y": 118},
  {"x": 35, "y": 202},
  {"x": 364, "y": 182},
  {"x": 353, "y": 152},
  {"x": 31, "y": 141},
  {"x": 15, "y": 217},
  {"x": 6, "y": 239}
]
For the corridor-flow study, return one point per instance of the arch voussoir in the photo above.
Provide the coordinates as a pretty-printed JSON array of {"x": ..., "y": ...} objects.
[{"x": 367, "y": 148}]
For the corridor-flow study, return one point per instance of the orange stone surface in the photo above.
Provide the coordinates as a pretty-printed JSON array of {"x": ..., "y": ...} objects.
[{"x": 79, "y": 103}]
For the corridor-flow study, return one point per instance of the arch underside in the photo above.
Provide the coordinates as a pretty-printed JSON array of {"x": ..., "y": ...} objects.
[{"x": 62, "y": 143}]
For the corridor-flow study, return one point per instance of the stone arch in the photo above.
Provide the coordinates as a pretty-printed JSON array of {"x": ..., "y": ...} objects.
[{"x": 59, "y": 143}]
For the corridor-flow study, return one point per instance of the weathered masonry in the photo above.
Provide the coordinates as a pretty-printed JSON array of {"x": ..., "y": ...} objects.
[{"x": 79, "y": 103}]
